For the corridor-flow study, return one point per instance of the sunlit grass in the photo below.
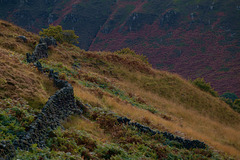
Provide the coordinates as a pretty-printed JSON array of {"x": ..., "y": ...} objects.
[
  {"x": 192, "y": 113},
  {"x": 92, "y": 128}
]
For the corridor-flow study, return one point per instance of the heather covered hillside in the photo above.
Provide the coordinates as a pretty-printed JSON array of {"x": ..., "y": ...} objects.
[
  {"x": 196, "y": 38},
  {"x": 62, "y": 102}
]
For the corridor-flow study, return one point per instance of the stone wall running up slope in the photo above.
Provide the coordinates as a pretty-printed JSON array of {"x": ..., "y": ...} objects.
[{"x": 58, "y": 108}]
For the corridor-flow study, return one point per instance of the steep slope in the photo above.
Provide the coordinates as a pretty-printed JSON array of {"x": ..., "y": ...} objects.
[
  {"x": 191, "y": 38},
  {"x": 17, "y": 79},
  {"x": 110, "y": 84}
]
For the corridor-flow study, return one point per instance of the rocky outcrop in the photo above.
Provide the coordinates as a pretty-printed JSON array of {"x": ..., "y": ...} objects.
[
  {"x": 137, "y": 20},
  {"x": 169, "y": 18}
]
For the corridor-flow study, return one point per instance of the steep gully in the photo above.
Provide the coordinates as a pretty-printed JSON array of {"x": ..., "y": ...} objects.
[{"x": 60, "y": 106}]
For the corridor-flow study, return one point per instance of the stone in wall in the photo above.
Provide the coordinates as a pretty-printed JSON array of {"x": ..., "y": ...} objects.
[
  {"x": 50, "y": 41},
  {"x": 41, "y": 50}
]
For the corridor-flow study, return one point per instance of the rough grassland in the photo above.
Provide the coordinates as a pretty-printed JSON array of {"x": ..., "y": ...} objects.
[{"x": 119, "y": 83}]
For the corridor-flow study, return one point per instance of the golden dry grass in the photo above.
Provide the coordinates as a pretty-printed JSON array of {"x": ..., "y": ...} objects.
[
  {"x": 176, "y": 90},
  {"x": 92, "y": 128},
  {"x": 20, "y": 80},
  {"x": 9, "y": 40},
  {"x": 192, "y": 124},
  {"x": 86, "y": 96},
  {"x": 193, "y": 113},
  {"x": 186, "y": 121}
]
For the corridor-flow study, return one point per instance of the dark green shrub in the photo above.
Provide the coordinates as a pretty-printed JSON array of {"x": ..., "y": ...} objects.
[
  {"x": 232, "y": 100},
  {"x": 59, "y": 34},
  {"x": 237, "y": 102},
  {"x": 69, "y": 36},
  {"x": 204, "y": 86},
  {"x": 231, "y": 96},
  {"x": 234, "y": 105}
]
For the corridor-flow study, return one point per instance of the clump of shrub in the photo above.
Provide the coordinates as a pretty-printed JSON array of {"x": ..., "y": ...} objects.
[
  {"x": 204, "y": 86},
  {"x": 126, "y": 51},
  {"x": 232, "y": 100},
  {"x": 231, "y": 96},
  {"x": 237, "y": 102},
  {"x": 236, "y": 105},
  {"x": 133, "y": 53},
  {"x": 59, "y": 34}
]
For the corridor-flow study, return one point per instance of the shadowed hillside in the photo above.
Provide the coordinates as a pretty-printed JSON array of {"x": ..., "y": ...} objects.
[{"x": 108, "y": 85}]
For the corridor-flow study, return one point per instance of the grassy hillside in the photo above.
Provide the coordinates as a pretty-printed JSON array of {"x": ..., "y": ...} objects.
[
  {"x": 111, "y": 84},
  {"x": 193, "y": 38}
]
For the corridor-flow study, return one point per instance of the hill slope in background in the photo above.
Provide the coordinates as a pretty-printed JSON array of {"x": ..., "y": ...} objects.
[
  {"x": 192, "y": 38},
  {"x": 110, "y": 84}
]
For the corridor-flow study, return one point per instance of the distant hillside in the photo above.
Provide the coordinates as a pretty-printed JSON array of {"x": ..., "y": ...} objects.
[
  {"x": 109, "y": 85},
  {"x": 196, "y": 38}
]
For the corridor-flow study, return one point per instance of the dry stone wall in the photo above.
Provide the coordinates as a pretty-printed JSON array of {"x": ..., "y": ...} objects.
[
  {"x": 58, "y": 107},
  {"x": 188, "y": 144},
  {"x": 41, "y": 50}
]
